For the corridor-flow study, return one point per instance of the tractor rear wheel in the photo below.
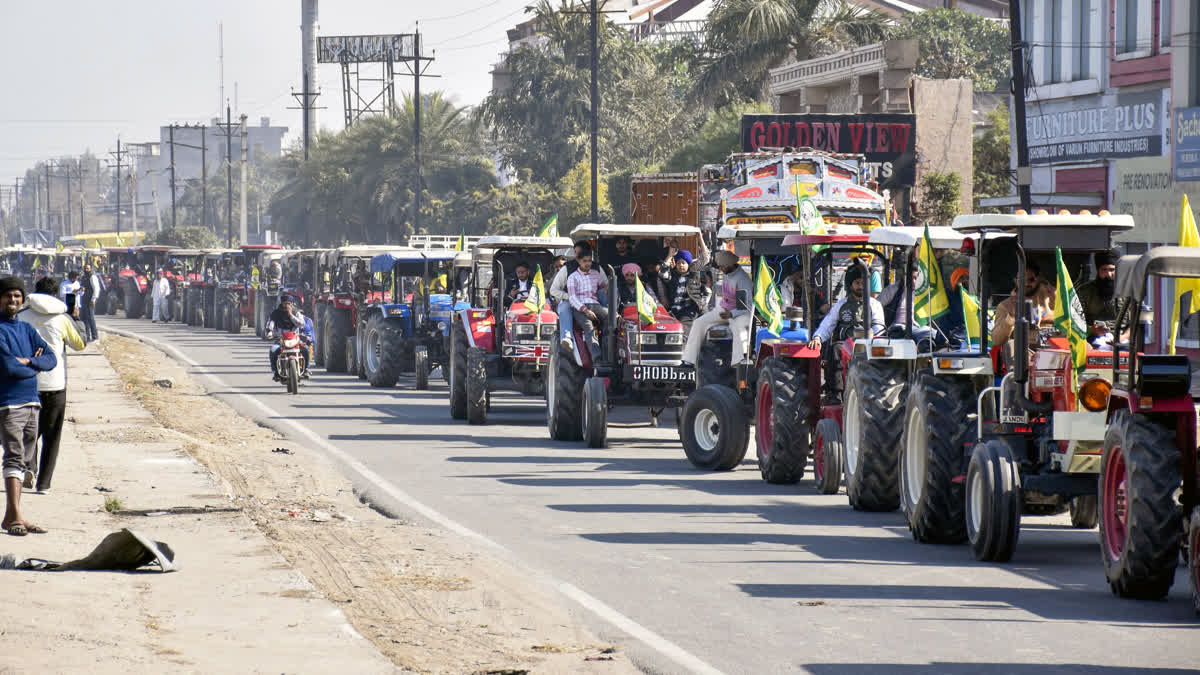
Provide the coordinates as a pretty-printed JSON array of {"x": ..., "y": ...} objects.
[
  {"x": 940, "y": 419},
  {"x": 564, "y": 396},
  {"x": 828, "y": 457},
  {"x": 1193, "y": 550},
  {"x": 421, "y": 367},
  {"x": 781, "y": 421},
  {"x": 875, "y": 396},
  {"x": 1084, "y": 512},
  {"x": 133, "y": 300},
  {"x": 111, "y": 302},
  {"x": 383, "y": 347},
  {"x": 458, "y": 373},
  {"x": 1140, "y": 520},
  {"x": 715, "y": 430},
  {"x": 477, "y": 386},
  {"x": 234, "y": 325},
  {"x": 595, "y": 412},
  {"x": 993, "y": 502},
  {"x": 337, "y": 324},
  {"x": 177, "y": 311}
]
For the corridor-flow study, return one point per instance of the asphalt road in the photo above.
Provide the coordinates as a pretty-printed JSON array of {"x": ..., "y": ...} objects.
[{"x": 716, "y": 570}]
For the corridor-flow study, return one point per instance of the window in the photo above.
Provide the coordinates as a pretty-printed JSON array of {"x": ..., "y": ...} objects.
[
  {"x": 1164, "y": 23},
  {"x": 1132, "y": 24},
  {"x": 1082, "y": 61},
  {"x": 1054, "y": 36}
]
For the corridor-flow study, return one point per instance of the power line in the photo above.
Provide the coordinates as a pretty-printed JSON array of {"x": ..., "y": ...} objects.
[{"x": 472, "y": 32}]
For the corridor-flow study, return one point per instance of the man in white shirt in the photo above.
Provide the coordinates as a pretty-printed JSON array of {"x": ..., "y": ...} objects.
[
  {"x": 159, "y": 294},
  {"x": 68, "y": 291},
  {"x": 733, "y": 306}
]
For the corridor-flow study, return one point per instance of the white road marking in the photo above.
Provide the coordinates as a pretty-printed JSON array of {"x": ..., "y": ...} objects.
[{"x": 588, "y": 601}]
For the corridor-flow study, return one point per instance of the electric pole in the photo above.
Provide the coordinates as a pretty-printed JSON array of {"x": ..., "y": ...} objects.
[
  {"x": 243, "y": 229},
  {"x": 171, "y": 137},
  {"x": 1024, "y": 172},
  {"x": 46, "y": 223},
  {"x": 305, "y": 99},
  {"x": 418, "y": 65},
  {"x": 229, "y": 176},
  {"x": 119, "y": 155},
  {"x": 596, "y": 119}
]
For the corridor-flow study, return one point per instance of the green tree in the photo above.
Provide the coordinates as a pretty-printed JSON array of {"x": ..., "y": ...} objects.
[
  {"x": 746, "y": 38},
  {"x": 185, "y": 237},
  {"x": 941, "y": 197},
  {"x": 992, "y": 175},
  {"x": 958, "y": 44}
]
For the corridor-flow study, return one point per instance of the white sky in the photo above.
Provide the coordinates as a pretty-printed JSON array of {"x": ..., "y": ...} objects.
[{"x": 79, "y": 72}]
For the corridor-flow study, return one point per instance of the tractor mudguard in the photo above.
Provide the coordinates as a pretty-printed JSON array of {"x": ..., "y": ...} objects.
[{"x": 481, "y": 326}]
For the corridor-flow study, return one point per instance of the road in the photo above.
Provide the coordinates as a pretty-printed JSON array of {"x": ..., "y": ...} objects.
[{"x": 713, "y": 571}]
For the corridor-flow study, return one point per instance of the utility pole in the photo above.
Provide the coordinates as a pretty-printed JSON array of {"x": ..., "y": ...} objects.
[
  {"x": 46, "y": 223},
  {"x": 171, "y": 137},
  {"x": 204, "y": 177},
  {"x": 67, "y": 204},
  {"x": 596, "y": 118},
  {"x": 307, "y": 116},
  {"x": 417, "y": 132},
  {"x": 37, "y": 201},
  {"x": 243, "y": 231},
  {"x": 117, "y": 179},
  {"x": 229, "y": 177},
  {"x": 1024, "y": 172}
]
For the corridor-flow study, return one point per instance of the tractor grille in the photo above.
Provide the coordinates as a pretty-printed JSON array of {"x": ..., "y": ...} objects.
[{"x": 652, "y": 348}]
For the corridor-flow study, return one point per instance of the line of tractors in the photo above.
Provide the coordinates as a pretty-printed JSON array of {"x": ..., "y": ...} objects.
[{"x": 963, "y": 436}]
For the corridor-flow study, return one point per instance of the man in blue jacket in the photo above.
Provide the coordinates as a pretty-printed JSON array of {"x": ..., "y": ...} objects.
[{"x": 23, "y": 354}]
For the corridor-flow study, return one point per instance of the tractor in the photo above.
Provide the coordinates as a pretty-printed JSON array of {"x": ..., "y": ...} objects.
[
  {"x": 298, "y": 276},
  {"x": 1149, "y": 484},
  {"x": 640, "y": 361},
  {"x": 266, "y": 294},
  {"x": 184, "y": 265},
  {"x": 495, "y": 346},
  {"x": 779, "y": 389},
  {"x": 411, "y": 333},
  {"x": 254, "y": 258},
  {"x": 344, "y": 287},
  {"x": 991, "y": 433}
]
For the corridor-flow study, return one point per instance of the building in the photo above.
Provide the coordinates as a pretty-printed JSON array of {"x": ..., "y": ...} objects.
[{"x": 872, "y": 88}]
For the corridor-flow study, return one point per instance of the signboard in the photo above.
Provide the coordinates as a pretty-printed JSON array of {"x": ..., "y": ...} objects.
[
  {"x": 1096, "y": 127},
  {"x": 1187, "y": 144},
  {"x": 365, "y": 48},
  {"x": 1144, "y": 189},
  {"x": 887, "y": 140}
]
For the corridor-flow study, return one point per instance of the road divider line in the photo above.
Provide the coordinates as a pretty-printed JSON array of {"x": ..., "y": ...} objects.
[{"x": 598, "y": 607}]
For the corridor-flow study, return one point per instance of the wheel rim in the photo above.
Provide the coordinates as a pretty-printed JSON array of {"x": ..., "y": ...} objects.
[
  {"x": 915, "y": 458},
  {"x": 551, "y": 377},
  {"x": 1194, "y": 557},
  {"x": 819, "y": 457},
  {"x": 765, "y": 424},
  {"x": 1115, "y": 503},
  {"x": 975, "y": 501},
  {"x": 850, "y": 441},
  {"x": 372, "y": 351},
  {"x": 707, "y": 429}
]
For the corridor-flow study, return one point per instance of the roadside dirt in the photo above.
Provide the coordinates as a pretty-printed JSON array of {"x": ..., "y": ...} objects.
[{"x": 428, "y": 602}]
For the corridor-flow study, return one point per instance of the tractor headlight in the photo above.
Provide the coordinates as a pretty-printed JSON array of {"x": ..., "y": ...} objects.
[
  {"x": 441, "y": 325},
  {"x": 525, "y": 330},
  {"x": 648, "y": 338},
  {"x": 1093, "y": 394},
  {"x": 674, "y": 338},
  {"x": 548, "y": 331}
]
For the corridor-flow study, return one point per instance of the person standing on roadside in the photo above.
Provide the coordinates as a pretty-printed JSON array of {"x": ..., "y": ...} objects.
[
  {"x": 160, "y": 293},
  {"x": 68, "y": 292},
  {"x": 48, "y": 317},
  {"x": 23, "y": 354},
  {"x": 87, "y": 303}
]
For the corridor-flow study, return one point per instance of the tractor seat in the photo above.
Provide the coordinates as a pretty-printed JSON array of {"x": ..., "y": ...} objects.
[{"x": 796, "y": 334}]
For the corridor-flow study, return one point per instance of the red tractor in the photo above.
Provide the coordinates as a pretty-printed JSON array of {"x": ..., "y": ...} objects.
[
  {"x": 343, "y": 283},
  {"x": 1149, "y": 481},
  {"x": 640, "y": 361},
  {"x": 184, "y": 265},
  {"x": 496, "y": 345}
]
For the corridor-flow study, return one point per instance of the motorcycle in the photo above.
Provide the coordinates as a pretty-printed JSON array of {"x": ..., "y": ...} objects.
[{"x": 295, "y": 353}]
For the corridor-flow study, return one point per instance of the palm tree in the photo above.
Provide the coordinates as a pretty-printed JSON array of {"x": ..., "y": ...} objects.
[{"x": 745, "y": 38}]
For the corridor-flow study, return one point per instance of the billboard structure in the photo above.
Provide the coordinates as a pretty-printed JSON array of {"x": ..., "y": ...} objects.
[{"x": 370, "y": 60}]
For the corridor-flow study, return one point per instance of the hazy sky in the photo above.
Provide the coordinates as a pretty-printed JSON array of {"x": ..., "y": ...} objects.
[{"x": 79, "y": 72}]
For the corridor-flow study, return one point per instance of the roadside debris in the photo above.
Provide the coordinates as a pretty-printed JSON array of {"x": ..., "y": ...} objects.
[
  {"x": 126, "y": 550},
  {"x": 165, "y": 383},
  {"x": 283, "y": 451}
]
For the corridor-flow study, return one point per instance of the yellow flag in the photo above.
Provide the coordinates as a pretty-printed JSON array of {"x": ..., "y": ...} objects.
[
  {"x": 461, "y": 244},
  {"x": 1068, "y": 314},
  {"x": 970, "y": 309},
  {"x": 930, "y": 299},
  {"x": 58, "y": 246},
  {"x": 1187, "y": 237},
  {"x": 550, "y": 228},
  {"x": 536, "y": 299},
  {"x": 645, "y": 304}
]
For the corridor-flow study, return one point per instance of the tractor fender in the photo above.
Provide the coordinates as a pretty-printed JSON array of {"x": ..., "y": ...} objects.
[{"x": 481, "y": 328}]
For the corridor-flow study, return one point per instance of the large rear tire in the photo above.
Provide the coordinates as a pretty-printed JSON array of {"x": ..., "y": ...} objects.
[
  {"x": 564, "y": 396},
  {"x": 383, "y": 349},
  {"x": 421, "y": 367},
  {"x": 875, "y": 396},
  {"x": 781, "y": 425},
  {"x": 940, "y": 420},
  {"x": 477, "y": 386},
  {"x": 234, "y": 324},
  {"x": 458, "y": 374},
  {"x": 828, "y": 457},
  {"x": 1140, "y": 520},
  {"x": 715, "y": 430},
  {"x": 133, "y": 299},
  {"x": 595, "y": 412},
  {"x": 337, "y": 324},
  {"x": 993, "y": 502},
  {"x": 1084, "y": 512}
]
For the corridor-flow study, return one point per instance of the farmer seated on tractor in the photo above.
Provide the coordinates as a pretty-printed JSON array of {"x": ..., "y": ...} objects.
[
  {"x": 791, "y": 293},
  {"x": 628, "y": 290},
  {"x": 558, "y": 292},
  {"x": 518, "y": 287},
  {"x": 585, "y": 293},
  {"x": 686, "y": 291},
  {"x": 1100, "y": 302},
  {"x": 624, "y": 253},
  {"x": 843, "y": 319},
  {"x": 286, "y": 317},
  {"x": 736, "y": 290},
  {"x": 1039, "y": 291}
]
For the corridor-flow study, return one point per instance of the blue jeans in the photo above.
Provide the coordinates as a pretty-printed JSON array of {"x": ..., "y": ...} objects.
[{"x": 566, "y": 324}]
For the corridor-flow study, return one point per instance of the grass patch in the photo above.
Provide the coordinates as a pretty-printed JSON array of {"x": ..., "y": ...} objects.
[{"x": 113, "y": 504}]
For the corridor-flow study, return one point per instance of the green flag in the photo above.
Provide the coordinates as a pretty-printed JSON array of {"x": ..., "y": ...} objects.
[
  {"x": 808, "y": 215},
  {"x": 970, "y": 309},
  {"x": 931, "y": 301},
  {"x": 645, "y": 304},
  {"x": 536, "y": 299},
  {"x": 550, "y": 229},
  {"x": 767, "y": 299},
  {"x": 461, "y": 244},
  {"x": 1068, "y": 314}
]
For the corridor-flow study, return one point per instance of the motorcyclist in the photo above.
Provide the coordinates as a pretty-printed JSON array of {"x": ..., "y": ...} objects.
[{"x": 286, "y": 317}]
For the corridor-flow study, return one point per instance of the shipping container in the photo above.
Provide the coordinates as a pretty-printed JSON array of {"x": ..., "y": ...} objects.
[{"x": 663, "y": 199}]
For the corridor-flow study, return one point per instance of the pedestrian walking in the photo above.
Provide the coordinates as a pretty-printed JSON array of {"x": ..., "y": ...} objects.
[
  {"x": 87, "y": 303},
  {"x": 23, "y": 354},
  {"x": 68, "y": 292},
  {"x": 48, "y": 317},
  {"x": 160, "y": 295}
]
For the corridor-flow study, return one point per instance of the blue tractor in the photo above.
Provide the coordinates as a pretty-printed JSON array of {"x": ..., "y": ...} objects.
[{"x": 408, "y": 331}]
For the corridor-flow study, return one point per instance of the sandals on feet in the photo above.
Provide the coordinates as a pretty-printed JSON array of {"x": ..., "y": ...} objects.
[{"x": 17, "y": 529}]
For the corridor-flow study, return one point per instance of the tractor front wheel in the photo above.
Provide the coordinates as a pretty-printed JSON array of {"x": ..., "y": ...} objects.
[
  {"x": 421, "y": 367},
  {"x": 993, "y": 502},
  {"x": 781, "y": 421},
  {"x": 1193, "y": 550},
  {"x": 828, "y": 457},
  {"x": 1140, "y": 521},
  {"x": 595, "y": 412},
  {"x": 1084, "y": 512},
  {"x": 940, "y": 419},
  {"x": 458, "y": 374},
  {"x": 383, "y": 348},
  {"x": 715, "y": 430},
  {"x": 875, "y": 398},
  {"x": 477, "y": 386}
]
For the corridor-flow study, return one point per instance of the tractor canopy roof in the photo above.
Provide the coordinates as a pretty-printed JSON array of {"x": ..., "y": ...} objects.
[
  {"x": 185, "y": 252},
  {"x": 462, "y": 258},
  {"x": 503, "y": 241},
  {"x": 1164, "y": 261},
  {"x": 260, "y": 247},
  {"x": 360, "y": 251},
  {"x": 1046, "y": 232},
  {"x": 908, "y": 236},
  {"x": 592, "y": 231},
  {"x": 411, "y": 261},
  {"x": 839, "y": 233}
]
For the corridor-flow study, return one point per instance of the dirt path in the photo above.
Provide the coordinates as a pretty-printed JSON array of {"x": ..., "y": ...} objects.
[{"x": 429, "y": 602}]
